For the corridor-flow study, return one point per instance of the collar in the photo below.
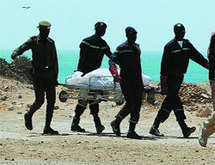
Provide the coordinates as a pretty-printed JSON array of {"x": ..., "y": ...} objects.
[
  {"x": 39, "y": 38},
  {"x": 177, "y": 41},
  {"x": 135, "y": 44},
  {"x": 97, "y": 37}
]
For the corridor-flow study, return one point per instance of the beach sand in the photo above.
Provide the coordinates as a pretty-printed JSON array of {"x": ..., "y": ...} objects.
[{"x": 21, "y": 146}]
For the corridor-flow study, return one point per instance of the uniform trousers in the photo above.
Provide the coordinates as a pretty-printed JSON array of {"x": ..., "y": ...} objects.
[
  {"x": 44, "y": 84},
  {"x": 132, "y": 89},
  {"x": 172, "y": 101}
]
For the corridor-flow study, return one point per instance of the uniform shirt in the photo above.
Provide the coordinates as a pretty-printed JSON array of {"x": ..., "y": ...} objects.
[
  {"x": 175, "y": 59},
  {"x": 211, "y": 57},
  {"x": 128, "y": 58},
  {"x": 43, "y": 53},
  {"x": 92, "y": 50}
]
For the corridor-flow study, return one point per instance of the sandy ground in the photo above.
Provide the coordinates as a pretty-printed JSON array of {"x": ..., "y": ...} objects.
[{"x": 21, "y": 146}]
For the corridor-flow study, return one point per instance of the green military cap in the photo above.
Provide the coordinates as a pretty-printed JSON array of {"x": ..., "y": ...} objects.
[{"x": 44, "y": 24}]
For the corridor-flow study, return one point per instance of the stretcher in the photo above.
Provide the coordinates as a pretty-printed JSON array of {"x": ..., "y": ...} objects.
[{"x": 95, "y": 86}]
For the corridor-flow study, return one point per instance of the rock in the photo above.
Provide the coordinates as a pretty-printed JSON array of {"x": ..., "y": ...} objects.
[
  {"x": 11, "y": 108},
  {"x": 4, "y": 97},
  {"x": 6, "y": 88},
  {"x": 192, "y": 109},
  {"x": 204, "y": 96},
  {"x": 20, "y": 96},
  {"x": 56, "y": 107},
  {"x": 204, "y": 113},
  {"x": 192, "y": 93},
  {"x": 30, "y": 87},
  {"x": 20, "y": 104}
]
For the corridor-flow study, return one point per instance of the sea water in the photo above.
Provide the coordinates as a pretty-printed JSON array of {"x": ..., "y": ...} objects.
[{"x": 150, "y": 61}]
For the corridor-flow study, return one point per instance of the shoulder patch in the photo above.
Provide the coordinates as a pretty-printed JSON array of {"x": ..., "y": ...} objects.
[
  {"x": 170, "y": 42},
  {"x": 50, "y": 40},
  {"x": 186, "y": 41},
  {"x": 33, "y": 37}
]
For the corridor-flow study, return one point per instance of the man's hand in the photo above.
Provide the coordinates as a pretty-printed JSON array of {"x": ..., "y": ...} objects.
[
  {"x": 164, "y": 87},
  {"x": 114, "y": 72},
  {"x": 117, "y": 79},
  {"x": 13, "y": 56}
]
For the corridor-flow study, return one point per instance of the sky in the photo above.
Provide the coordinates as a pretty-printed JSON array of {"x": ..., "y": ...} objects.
[{"x": 73, "y": 20}]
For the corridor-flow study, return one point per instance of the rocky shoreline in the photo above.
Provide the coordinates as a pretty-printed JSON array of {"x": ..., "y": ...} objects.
[
  {"x": 21, "y": 146},
  {"x": 195, "y": 96},
  {"x": 18, "y": 69}
]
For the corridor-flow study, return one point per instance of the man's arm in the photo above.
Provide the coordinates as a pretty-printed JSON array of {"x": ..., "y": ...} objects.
[
  {"x": 19, "y": 51},
  {"x": 108, "y": 53},
  {"x": 113, "y": 68},
  {"x": 165, "y": 62},
  {"x": 56, "y": 69},
  {"x": 83, "y": 52},
  {"x": 115, "y": 58},
  {"x": 81, "y": 60},
  {"x": 164, "y": 70},
  {"x": 196, "y": 56}
]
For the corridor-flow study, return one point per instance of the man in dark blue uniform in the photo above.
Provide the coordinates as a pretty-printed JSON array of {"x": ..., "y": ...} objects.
[
  {"x": 174, "y": 65},
  {"x": 92, "y": 50},
  {"x": 127, "y": 56},
  {"x": 45, "y": 73}
]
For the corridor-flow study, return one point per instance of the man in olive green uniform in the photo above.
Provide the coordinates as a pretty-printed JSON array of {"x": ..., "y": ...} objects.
[{"x": 45, "y": 73}]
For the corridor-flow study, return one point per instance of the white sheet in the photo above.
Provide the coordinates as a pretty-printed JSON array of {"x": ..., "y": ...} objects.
[{"x": 98, "y": 77}]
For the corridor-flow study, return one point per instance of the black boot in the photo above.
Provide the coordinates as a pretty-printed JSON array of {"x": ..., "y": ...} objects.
[
  {"x": 187, "y": 132},
  {"x": 79, "y": 110},
  {"x": 185, "y": 129},
  {"x": 28, "y": 121},
  {"x": 98, "y": 125},
  {"x": 154, "y": 129},
  {"x": 49, "y": 130},
  {"x": 115, "y": 124},
  {"x": 49, "y": 114},
  {"x": 28, "y": 116},
  {"x": 75, "y": 127},
  {"x": 99, "y": 129},
  {"x": 131, "y": 133}
]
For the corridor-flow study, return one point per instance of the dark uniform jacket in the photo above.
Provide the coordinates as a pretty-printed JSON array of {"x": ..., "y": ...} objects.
[
  {"x": 91, "y": 53},
  {"x": 128, "y": 58},
  {"x": 211, "y": 57},
  {"x": 175, "y": 59},
  {"x": 44, "y": 53}
]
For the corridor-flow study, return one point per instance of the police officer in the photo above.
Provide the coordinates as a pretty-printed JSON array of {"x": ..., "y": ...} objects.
[
  {"x": 92, "y": 50},
  {"x": 45, "y": 73},
  {"x": 127, "y": 56},
  {"x": 174, "y": 65}
]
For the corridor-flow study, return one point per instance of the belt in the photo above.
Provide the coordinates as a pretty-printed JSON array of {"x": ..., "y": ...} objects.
[{"x": 41, "y": 69}]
